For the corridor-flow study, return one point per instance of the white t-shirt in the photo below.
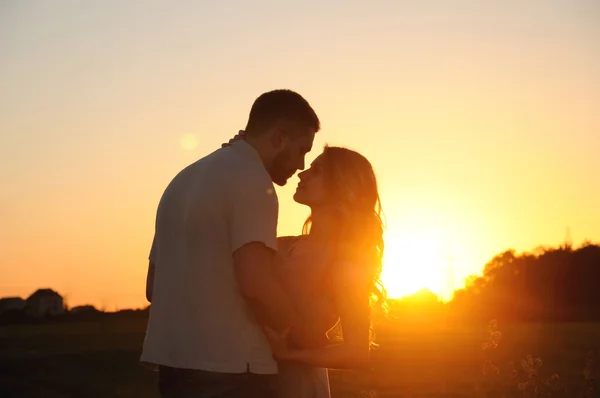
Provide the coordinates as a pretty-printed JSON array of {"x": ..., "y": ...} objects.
[{"x": 198, "y": 317}]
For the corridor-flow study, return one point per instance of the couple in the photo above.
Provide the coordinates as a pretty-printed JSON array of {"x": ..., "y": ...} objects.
[{"x": 238, "y": 312}]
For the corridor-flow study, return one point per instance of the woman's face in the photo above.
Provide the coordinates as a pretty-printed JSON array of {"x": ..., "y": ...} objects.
[{"x": 311, "y": 189}]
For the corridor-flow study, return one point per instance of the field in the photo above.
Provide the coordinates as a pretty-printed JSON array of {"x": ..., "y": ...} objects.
[{"x": 100, "y": 359}]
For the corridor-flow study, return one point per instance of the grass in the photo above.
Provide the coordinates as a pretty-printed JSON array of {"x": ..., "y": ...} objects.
[{"x": 101, "y": 359}]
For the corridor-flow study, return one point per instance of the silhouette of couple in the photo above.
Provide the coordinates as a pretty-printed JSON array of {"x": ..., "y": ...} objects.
[{"x": 237, "y": 311}]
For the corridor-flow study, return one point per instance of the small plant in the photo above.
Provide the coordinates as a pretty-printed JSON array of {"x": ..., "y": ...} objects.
[
  {"x": 532, "y": 384},
  {"x": 527, "y": 381},
  {"x": 493, "y": 339},
  {"x": 490, "y": 370},
  {"x": 494, "y": 335}
]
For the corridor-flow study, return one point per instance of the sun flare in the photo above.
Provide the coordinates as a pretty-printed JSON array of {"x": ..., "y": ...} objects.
[{"x": 188, "y": 142}]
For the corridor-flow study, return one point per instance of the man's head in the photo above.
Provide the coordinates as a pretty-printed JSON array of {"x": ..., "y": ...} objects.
[{"x": 282, "y": 127}]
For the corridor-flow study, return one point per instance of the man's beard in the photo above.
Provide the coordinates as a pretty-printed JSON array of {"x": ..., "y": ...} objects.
[{"x": 279, "y": 171}]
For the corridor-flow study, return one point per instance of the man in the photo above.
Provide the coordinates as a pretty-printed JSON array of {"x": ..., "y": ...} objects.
[{"x": 210, "y": 277}]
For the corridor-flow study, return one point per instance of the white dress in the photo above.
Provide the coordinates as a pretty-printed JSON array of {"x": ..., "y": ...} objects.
[
  {"x": 297, "y": 380},
  {"x": 302, "y": 381}
]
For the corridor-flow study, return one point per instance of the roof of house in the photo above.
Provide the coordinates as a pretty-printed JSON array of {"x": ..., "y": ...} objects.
[
  {"x": 44, "y": 293},
  {"x": 11, "y": 300}
]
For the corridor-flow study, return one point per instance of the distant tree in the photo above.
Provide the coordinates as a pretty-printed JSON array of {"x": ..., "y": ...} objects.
[{"x": 561, "y": 284}]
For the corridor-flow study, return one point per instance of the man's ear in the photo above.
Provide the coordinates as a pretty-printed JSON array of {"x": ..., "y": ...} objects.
[{"x": 279, "y": 139}]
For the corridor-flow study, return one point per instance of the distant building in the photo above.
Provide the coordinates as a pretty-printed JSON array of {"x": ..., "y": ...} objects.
[
  {"x": 11, "y": 304},
  {"x": 85, "y": 309},
  {"x": 45, "y": 302}
]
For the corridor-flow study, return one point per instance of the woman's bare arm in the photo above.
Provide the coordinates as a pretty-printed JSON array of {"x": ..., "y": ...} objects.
[{"x": 301, "y": 274}]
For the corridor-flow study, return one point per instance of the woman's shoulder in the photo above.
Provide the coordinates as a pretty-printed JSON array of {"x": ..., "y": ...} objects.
[{"x": 303, "y": 248}]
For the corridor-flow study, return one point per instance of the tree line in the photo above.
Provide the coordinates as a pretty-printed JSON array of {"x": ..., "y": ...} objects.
[{"x": 548, "y": 284}]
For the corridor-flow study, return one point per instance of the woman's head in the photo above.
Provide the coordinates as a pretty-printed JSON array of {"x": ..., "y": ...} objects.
[
  {"x": 340, "y": 187},
  {"x": 339, "y": 177}
]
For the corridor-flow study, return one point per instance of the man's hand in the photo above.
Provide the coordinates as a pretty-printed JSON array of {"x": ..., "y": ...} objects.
[
  {"x": 239, "y": 136},
  {"x": 280, "y": 342},
  {"x": 306, "y": 337}
]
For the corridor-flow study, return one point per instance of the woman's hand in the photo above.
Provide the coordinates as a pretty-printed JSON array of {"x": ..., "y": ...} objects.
[
  {"x": 278, "y": 342},
  {"x": 239, "y": 136}
]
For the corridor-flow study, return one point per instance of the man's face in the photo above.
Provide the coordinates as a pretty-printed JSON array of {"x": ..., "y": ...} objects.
[{"x": 290, "y": 158}]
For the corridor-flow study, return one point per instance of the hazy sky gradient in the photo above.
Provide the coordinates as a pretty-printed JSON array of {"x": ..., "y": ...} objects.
[{"x": 482, "y": 122}]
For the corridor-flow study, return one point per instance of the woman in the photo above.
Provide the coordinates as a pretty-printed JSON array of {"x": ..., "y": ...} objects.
[{"x": 332, "y": 271}]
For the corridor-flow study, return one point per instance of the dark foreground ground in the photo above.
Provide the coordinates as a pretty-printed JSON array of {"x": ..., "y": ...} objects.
[{"x": 100, "y": 359}]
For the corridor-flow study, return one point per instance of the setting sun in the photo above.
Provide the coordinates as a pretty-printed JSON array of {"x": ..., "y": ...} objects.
[{"x": 415, "y": 260}]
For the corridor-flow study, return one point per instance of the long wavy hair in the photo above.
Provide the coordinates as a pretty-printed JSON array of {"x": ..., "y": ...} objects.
[{"x": 356, "y": 217}]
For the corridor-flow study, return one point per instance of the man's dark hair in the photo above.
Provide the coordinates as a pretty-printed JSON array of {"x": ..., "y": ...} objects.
[{"x": 281, "y": 105}]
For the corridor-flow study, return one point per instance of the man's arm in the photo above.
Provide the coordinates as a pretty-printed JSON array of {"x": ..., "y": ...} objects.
[
  {"x": 258, "y": 283},
  {"x": 150, "y": 281},
  {"x": 253, "y": 231},
  {"x": 352, "y": 300}
]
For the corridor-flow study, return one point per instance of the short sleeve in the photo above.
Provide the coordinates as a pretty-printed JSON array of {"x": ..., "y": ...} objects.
[
  {"x": 152, "y": 256},
  {"x": 253, "y": 214}
]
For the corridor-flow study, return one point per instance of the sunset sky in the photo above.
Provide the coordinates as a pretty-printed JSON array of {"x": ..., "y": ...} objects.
[{"x": 482, "y": 122}]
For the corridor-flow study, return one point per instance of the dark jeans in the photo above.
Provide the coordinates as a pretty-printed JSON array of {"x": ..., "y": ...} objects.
[{"x": 190, "y": 383}]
